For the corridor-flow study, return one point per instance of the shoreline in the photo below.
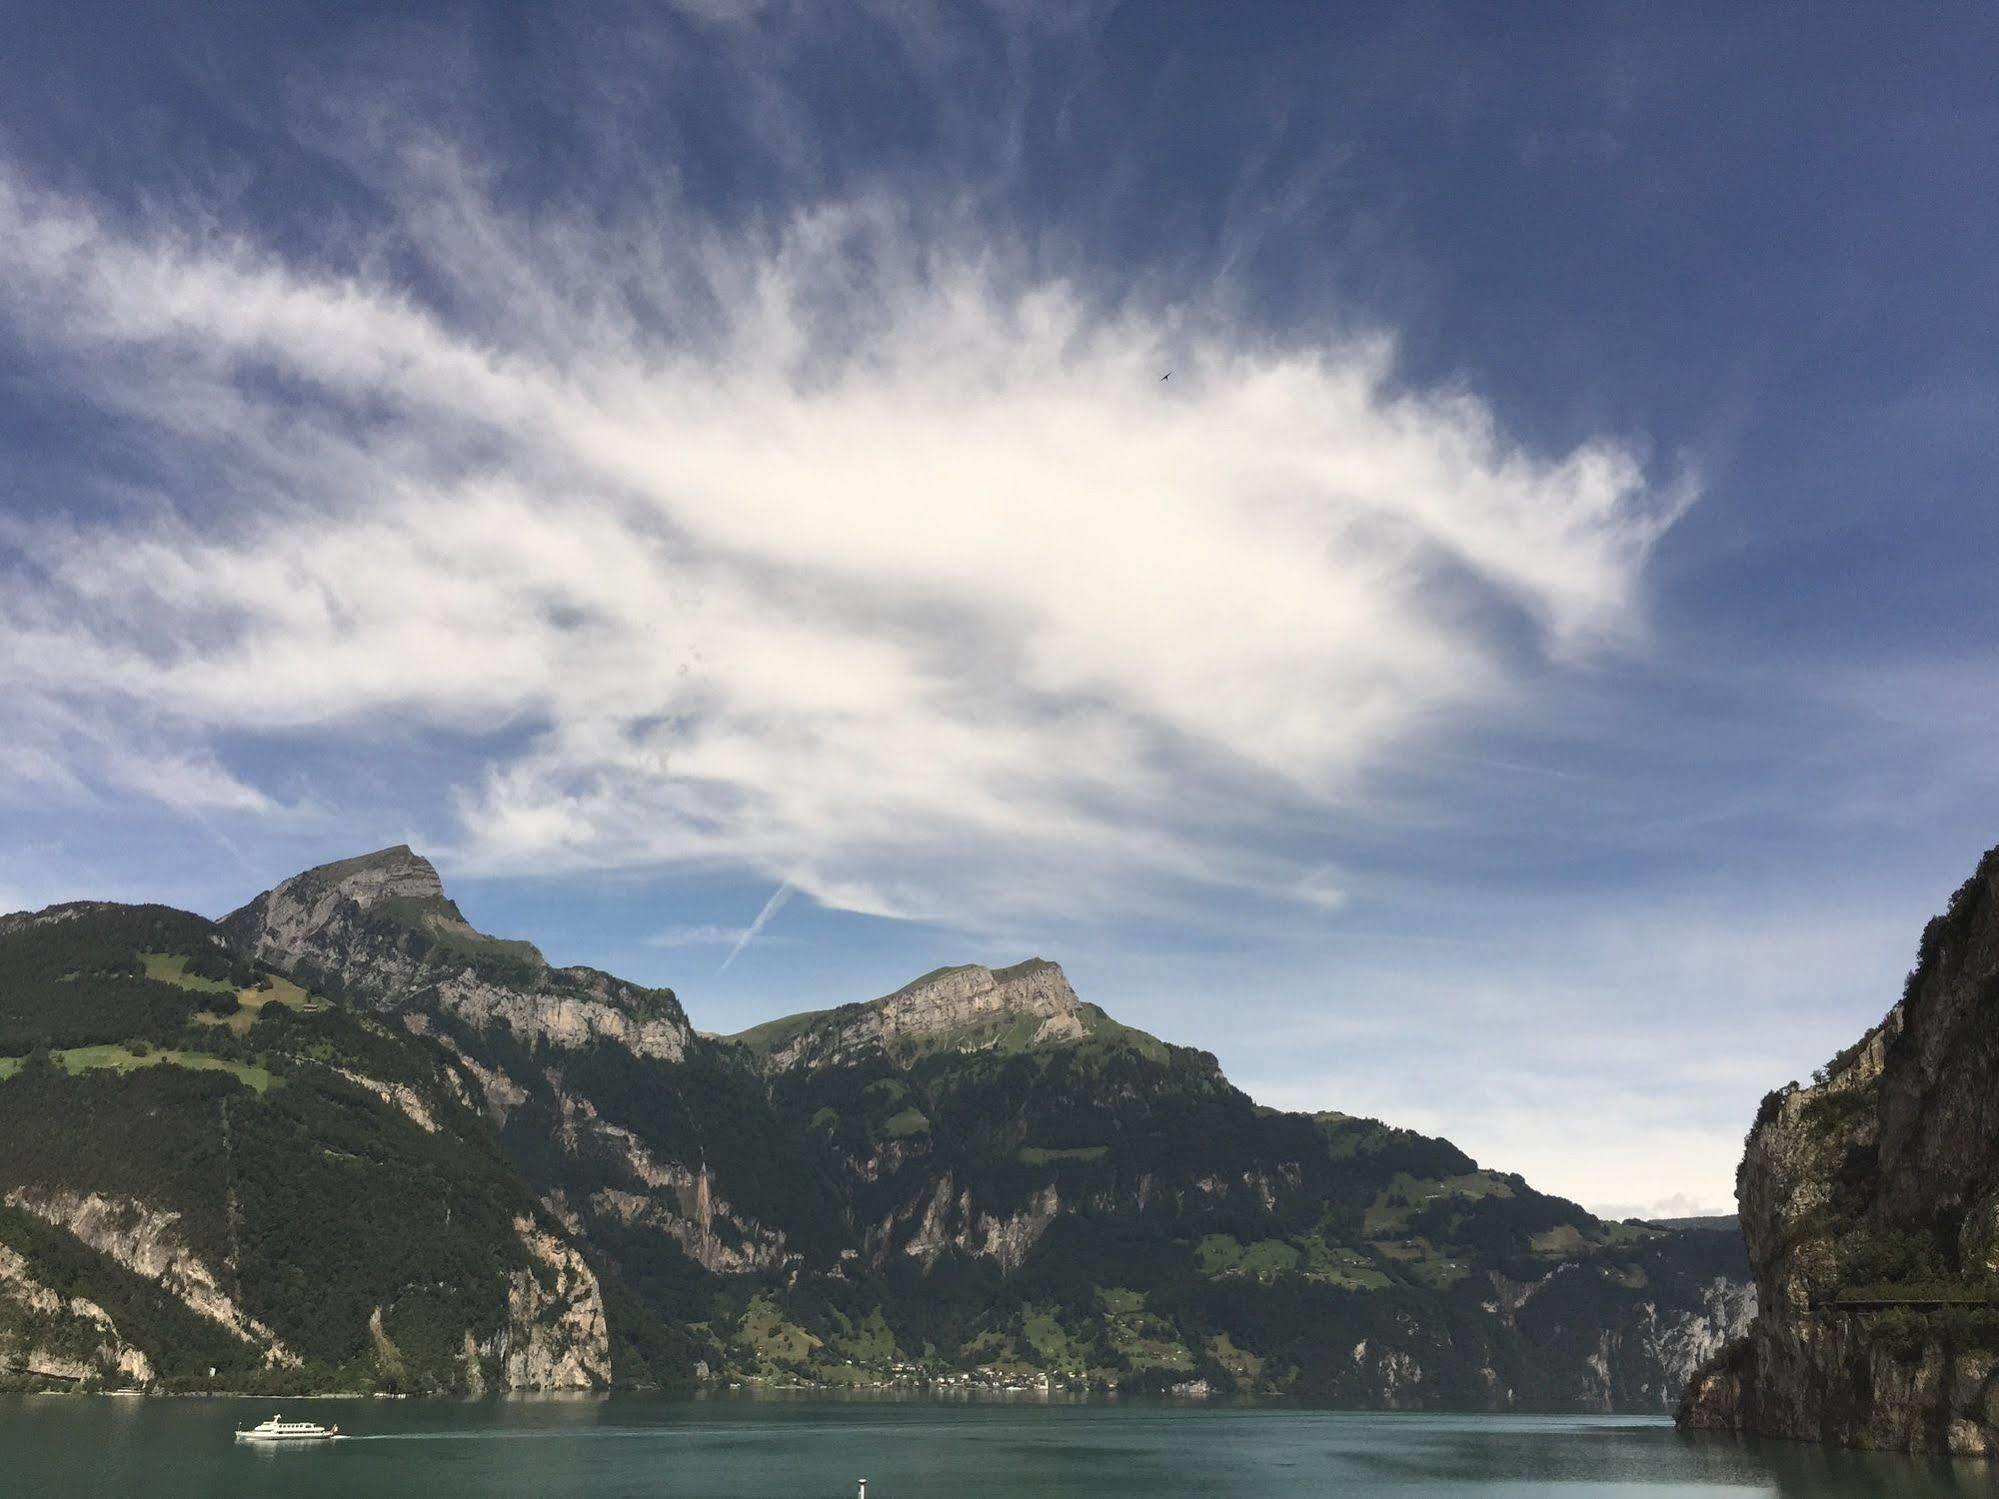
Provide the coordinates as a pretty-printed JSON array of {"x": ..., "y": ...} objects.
[{"x": 914, "y": 1398}]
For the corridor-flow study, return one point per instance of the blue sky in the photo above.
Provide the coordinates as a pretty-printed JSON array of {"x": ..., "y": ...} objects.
[{"x": 1527, "y": 675}]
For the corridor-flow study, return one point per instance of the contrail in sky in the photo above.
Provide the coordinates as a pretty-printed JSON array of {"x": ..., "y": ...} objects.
[{"x": 771, "y": 907}]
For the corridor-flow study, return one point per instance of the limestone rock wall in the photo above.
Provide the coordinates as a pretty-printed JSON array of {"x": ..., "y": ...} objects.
[
  {"x": 952, "y": 1001},
  {"x": 61, "y": 1340},
  {"x": 556, "y": 1337},
  {"x": 149, "y": 1243},
  {"x": 1885, "y": 1169},
  {"x": 382, "y": 927}
]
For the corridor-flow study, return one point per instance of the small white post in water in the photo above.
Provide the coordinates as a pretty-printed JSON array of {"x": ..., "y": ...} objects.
[{"x": 864, "y": 1489}]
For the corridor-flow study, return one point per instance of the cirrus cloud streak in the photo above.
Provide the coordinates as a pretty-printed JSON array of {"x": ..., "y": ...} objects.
[{"x": 864, "y": 551}]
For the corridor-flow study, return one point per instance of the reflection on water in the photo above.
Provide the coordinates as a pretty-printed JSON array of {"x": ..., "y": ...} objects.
[{"x": 63, "y": 1446}]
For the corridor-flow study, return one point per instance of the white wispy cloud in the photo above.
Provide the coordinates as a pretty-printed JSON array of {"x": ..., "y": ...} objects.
[{"x": 865, "y": 550}]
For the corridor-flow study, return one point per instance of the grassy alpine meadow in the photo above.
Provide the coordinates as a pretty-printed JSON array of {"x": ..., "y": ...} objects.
[{"x": 77, "y": 1059}]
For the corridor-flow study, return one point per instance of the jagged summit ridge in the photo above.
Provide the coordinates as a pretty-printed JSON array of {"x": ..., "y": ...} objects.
[
  {"x": 381, "y": 929},
  {"x": 295, "y": 911},
  {"x": 388, "y": 873},
  {"x": 952, "y": 997},
  {"x": 967, "y": 1007}
]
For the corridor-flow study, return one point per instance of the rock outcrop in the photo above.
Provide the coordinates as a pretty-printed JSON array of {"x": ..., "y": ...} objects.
[
  {"x": 1647, "y": 1362},
  {"x": 969, "y": 1008},
  {"x": 667, "y": 1197},
  {"x": 149, "y": 1243},
  {"x": 380, "y": 929},
  {"x": 568, "y": 1008},
  {"x": 399, "y": 1096},
  {"x": 52, "y": 1338},
  {"x": 556, "y": 1337},
  {"x": 945, "y": 1220},
  {"x": 318, "y": 909},
  {"x": 1870, "y": 1202}
]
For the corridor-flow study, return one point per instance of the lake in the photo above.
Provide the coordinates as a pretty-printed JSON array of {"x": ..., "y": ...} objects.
[{"x": 776, "y": 1448}]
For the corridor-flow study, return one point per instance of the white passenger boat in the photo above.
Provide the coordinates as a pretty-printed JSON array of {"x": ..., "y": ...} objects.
[{"x": 276, "y": 1430}]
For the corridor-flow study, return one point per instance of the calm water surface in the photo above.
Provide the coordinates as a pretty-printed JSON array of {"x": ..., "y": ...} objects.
[{"x": 60, "y": 1446}]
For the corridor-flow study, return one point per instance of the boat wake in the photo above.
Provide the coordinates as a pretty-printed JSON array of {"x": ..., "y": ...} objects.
[
  {"x": 516, "y": 1434},
  {"x": 440, "y": 1436}
]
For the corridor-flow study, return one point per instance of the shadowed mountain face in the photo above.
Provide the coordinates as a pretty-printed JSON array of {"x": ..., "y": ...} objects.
[
  {"x": 1870, "y": 1202},
  {"x": 399, "y": 1152}
]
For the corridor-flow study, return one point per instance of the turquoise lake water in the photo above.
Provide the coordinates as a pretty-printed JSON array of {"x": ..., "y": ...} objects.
[{"x": 61, "y": 1446}]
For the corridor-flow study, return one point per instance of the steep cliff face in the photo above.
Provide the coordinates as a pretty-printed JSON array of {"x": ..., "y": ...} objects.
[
  {"x": 150, "y": 1243},
  {"x": 1684, "y": 1301},
  {"x": 966, "y": 1008},
  {"x": 639, "y": 1190},
  {"x": 1870, "y": 1202},
  {"x": 555, "y": 1338},
  {"x": 381, "y": 930},
  {"x": 643, "y": 1142},
  {"x": 52, "y": 1337}
]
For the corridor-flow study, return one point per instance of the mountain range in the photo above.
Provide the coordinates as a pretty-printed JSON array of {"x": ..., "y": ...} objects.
[{"x": 343, "y": 1140}]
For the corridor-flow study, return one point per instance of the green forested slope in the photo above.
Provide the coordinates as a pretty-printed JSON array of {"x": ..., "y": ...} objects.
[
  {"x": 136, "y": 1151},
  {"x": 1191, "y": 1235},
  {"x": 343, "y": 1139}
]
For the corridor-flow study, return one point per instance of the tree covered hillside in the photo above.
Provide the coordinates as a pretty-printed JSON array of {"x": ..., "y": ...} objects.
[
  {"x": 343, "y": 1139},
  {"x": 1105, "y": 1208},
  {"x": 228, "y": 1172}
]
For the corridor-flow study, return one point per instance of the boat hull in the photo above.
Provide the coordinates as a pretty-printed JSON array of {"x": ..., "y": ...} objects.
[{"x": 286, "y": 1436}]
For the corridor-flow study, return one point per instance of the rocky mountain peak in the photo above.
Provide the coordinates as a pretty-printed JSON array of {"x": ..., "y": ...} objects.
[
  {"x": 379, "y": 929},
  {"x": 387, "y": 874},
  {"x": 951, "y": 998},
  {"x": 313, "y": 914},
  {"x": 328, "y": 912},
  {"x": 968, "y": 1007}
]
